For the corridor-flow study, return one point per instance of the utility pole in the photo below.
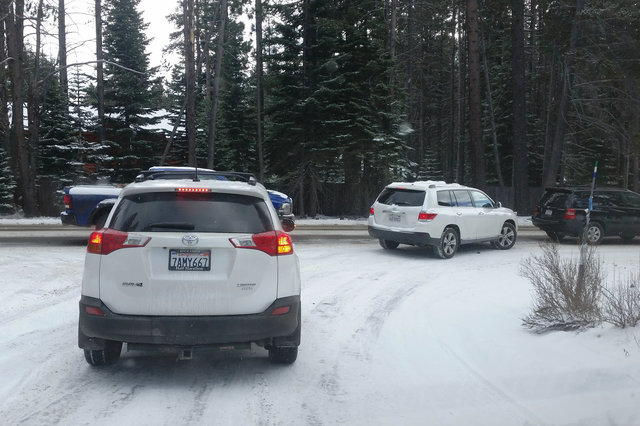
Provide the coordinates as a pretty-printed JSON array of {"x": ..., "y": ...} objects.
[{"x": 585, "y": 234}]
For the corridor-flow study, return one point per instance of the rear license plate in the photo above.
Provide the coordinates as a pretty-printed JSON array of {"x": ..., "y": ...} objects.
[
  {"x": 393, "y": 217},
  {"x": 548, "y": 212},
  {"x": 189, "y": 260}
]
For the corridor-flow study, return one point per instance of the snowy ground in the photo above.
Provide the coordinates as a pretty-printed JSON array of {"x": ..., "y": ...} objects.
[{"x": 389, "y": 338}]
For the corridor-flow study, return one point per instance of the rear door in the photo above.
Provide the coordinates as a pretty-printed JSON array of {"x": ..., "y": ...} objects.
[
  {"x": 183, "y": 262},
  {"x": 608, "y": 209},
  {"x": 631, "y": 206},
  {"x": 468, "y": 219},
  {"x": 399, "y": 208}
]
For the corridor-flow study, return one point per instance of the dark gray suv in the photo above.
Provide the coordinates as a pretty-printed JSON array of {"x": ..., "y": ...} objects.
[{"x": 562, "y": 211}]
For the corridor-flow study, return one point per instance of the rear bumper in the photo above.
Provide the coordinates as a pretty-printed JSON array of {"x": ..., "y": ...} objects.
[
  {"x": 263, "y": 329},
  {"x": 411, "y": 238},
  {"x": 570, "y": 227}
]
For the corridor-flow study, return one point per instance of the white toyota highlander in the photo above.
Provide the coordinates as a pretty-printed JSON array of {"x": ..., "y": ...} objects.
[
  {"x": 441, "y": 215},
  {"x": 188, "y": 260}
]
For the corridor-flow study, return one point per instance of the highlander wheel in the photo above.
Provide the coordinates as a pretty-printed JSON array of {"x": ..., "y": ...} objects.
[
  {"x": 448, "y": 244},
  {"x": 507, "y": 237},
  {"x": 388, "y": 244},
  {"x": 286, "y": 355},
  {"x": 595, "y": 233},
  {"x": 109, "y": 355}
]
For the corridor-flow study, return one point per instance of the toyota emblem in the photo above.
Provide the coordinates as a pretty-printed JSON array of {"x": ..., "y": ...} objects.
[{"x": 190, "y": 240}]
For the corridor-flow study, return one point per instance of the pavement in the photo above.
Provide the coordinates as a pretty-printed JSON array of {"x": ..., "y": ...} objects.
[{"x": 48, "y": 234}]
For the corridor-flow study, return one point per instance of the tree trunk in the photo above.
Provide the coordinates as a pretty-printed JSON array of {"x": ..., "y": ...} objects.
[
  {"x": 550, "y": 170},
  {"x": 62, "y": 48},
  {"x": 494, "y": 135},
  {"x": 450, "y": 174},
  {"x": 213, "y": 117},
  {"x": 259, "y": 91},
  {"x": 393, "y": 35},
  {"x": 189, "y": 63},
  {"x": 99, "y": 71},
  {"x": 520, "y": 162},
  {"x": 15, "y": 27},
  {"x": 5, "y": 127},
  {"x": 475, "y": 98},
  {"x": 460, "y": 142}
]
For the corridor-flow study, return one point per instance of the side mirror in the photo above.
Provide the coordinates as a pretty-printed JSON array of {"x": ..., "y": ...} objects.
[
  {"x": 288, "y": 224},
  {"x": 497, "y": 205}
]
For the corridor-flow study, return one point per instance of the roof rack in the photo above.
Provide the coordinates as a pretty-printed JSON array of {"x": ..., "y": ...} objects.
[{"x": 196, "y": 175}]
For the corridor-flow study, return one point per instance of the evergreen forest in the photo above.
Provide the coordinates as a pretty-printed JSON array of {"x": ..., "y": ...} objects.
[{"x": 327, "y": 101}]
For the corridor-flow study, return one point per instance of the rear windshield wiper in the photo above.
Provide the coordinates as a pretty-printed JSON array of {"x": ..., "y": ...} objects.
[{"x": 172, "y": 225}]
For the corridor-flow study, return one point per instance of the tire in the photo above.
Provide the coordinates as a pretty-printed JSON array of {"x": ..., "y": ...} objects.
[
  {"x": 109, "y": 355},
  {"x": 507, "y": 237},
  {"x": 388, "y": 244},
  {"x": 556, "y": 237},
  {"x": 448, "y": 244},
  {"x": 595, "y": 233},
  {"x": 283, "y": 355}
]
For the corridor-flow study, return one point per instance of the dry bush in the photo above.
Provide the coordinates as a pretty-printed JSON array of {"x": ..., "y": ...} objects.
[
  {"x": 621, "y": 305},
  {"x": 561, "y": 301}
]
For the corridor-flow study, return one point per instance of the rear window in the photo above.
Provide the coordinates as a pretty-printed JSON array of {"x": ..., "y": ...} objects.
[
  {"x": 401, "y": 197},
  {"x": 554, "y": 199},
  {"x": 208, "y": 212}
]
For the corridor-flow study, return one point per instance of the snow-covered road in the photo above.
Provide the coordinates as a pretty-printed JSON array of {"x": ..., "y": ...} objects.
[{"x": 388, "y": 338}]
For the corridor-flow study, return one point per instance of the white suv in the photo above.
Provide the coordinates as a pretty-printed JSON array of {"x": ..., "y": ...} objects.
[
  {"x": 191, "y": 260},
  {"x": 441, "y": 215}
]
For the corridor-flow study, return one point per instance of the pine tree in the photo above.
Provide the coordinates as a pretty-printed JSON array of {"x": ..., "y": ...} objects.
[
  {"x": 131, "y": 95},
  {"x": 7, "y": 185},
  {"x": 328, "y": 101},
  {"x": 57, "y": 148}
]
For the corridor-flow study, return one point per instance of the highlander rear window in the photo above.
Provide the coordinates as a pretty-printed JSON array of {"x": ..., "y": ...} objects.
[
  {"x": 401, "y": 197},
  {"x": 209, "y": 212}
]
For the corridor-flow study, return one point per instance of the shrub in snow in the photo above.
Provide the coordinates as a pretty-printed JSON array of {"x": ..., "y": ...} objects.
[
  {"x": 561, "y": 300},
  {"x": 621, "y": 306}
]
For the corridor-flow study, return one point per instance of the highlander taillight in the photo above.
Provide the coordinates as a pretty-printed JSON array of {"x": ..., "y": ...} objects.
[
  {"x": 570, "y": 214},
  {"x": 110, "y": 240},
  {"x": 371, "y": 211},
  {"x": 426, "y": 217},
  {"x": 274, "y": 243}
]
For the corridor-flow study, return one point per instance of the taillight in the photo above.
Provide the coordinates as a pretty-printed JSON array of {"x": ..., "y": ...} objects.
[
  {"x": 535, "y": 211},
  {"x": 193, "y": 190},
  {"x": 281, "y": 310},
  {"x": 67, "y": 202},
  {"x": 274, "y": 243},
  {"x": 570, "y": 214},
  {"x": 109, "y": 240},
  {"x": 426, "y": 217},
  {"x": 91, "y": 310},
  {"x": 371, "y": 211}
]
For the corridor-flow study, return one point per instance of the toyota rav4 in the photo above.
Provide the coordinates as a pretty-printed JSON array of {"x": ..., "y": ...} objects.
[
  {"x": 441, "y": 215},
  {"x": 188, "y": 262}
]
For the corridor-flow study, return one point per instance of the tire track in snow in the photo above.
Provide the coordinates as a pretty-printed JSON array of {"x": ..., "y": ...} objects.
[
  {"x": 351, "y": 315},
  {"x": 495, "y": 388}
]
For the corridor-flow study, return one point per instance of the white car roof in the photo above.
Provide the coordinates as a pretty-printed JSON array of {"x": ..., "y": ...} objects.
[
  {"x": 426, "y": 184},
  {"x": 215, "y": 185}
]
